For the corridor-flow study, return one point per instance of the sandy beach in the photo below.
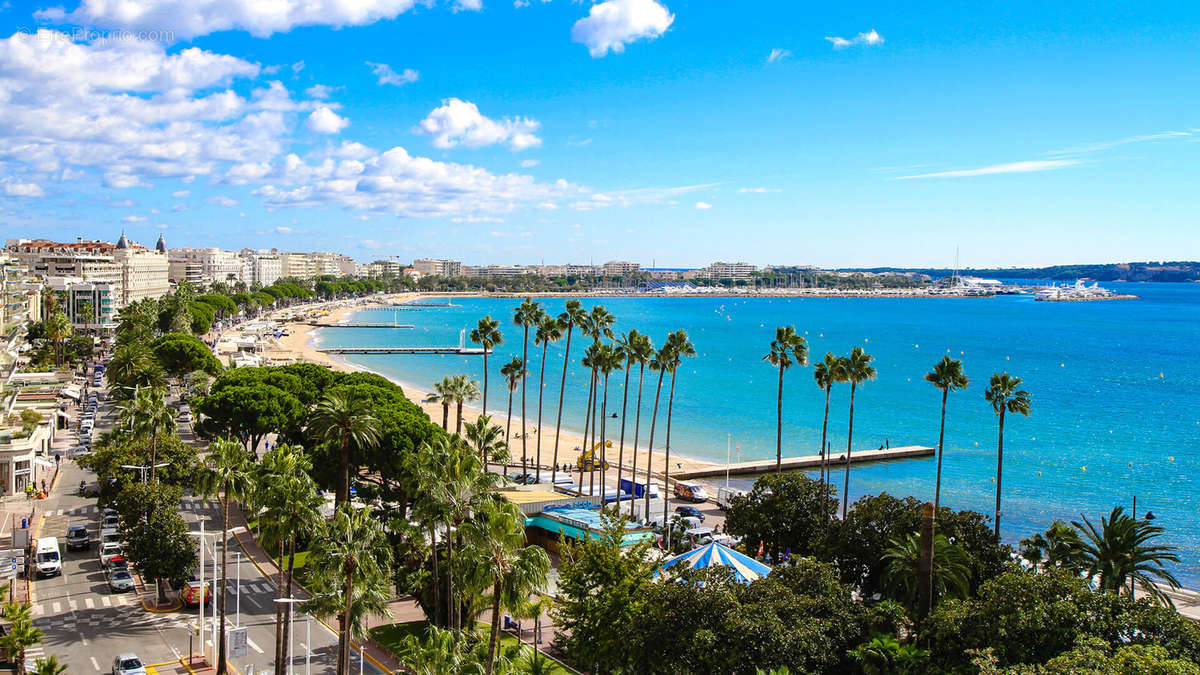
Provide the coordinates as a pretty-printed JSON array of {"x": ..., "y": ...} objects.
[{"x": 298, "y": 343}]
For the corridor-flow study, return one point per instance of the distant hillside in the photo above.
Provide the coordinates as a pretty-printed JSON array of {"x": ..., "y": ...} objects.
[{"x": 1134, "y": 271}]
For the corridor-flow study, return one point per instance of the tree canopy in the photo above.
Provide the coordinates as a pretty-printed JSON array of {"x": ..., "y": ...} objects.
[{"x": 180, "y": 354}]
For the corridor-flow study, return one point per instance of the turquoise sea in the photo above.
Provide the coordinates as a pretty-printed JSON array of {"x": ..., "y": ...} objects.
[{"x": 1115, "y": 406}]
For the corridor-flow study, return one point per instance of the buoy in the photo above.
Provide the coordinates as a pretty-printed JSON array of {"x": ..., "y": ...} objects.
[
  {"x": 1039, "y": 474},
  {"x": 1171, "y": 458},
  {"x": 977, "y": 444},
  {"x": 1008, "y": 358},
  {"x": 916, "y": 346},
  {"x": 1083, "y": 468},
  {"x": 1160, "y": 376},
  {"x": 1035, "y": 438},
  {"x": 1062, "y": 365}
]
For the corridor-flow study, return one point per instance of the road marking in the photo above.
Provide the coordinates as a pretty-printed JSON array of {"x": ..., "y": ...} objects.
[
  {"x": 94, "y": 663},
  {"x": 74, "y": 605},
  {"x": 38, "y": 610},
  {"x": 121, "y": 600},
  {"x": 89, "y": 603},
  {"x": 106, "y": 601},
  {"x": 250, "y": 598},
  {"x": 254, "y": 646},
  {"x": 56, "y": 607}
]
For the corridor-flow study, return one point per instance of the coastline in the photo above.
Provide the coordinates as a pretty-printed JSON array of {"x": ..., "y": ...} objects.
[{"x": 301, "y": 339}]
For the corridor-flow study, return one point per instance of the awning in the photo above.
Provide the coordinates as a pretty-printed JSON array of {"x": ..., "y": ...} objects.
[
  {"x": 70, "y": 391},
  {"x": 42, "y": 462},
  {"x": 59, "y": 413}
]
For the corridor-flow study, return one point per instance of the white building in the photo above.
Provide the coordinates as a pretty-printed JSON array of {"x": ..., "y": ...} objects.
[
  {"x": 438, "y": 268},
  {"x": 261, "y": 267},
  {"x": 296, "y": 265},
  {"x": 737, "y": 271},
  {"x": 205, "y": 265},
  {"x": 134, "y": 272},
  {"x": 620, "y": 268}
]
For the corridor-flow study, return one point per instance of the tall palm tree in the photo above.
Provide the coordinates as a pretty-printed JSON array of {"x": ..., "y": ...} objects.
[
  {"x": 591, "y": 360},
  {"x": 1059, "y": 546},
  {"x": 58, "y": 329},
  {"x": 681, "y": 349},
  {"x": 658, "y": 362},
  {"x": 1006, "y": 396},
  {"x": 348, "y": 422},
  {"x": 462, "y": 390},
  {"x": 527, "y": 315},
  {"x": 514, "y": 373},
  {"x": 487, "y": 334},
  {"x": 289, "y": 506},
  {"x": 568, "y": 319},
  {"x": 548, "y": 330},
  {"x": 787, "y": 348},
  {"x": 1119, "y": 553},
  {"x": 858, "y": 369},
  {"x": 443, "y": 392},
  {"x": 49, "y": 666},
  {"x": 947, "y": 375},
  {"x": 624, "y": 347},
  {"x": 147, "y": 415},
  {"x": 227, "y": 475},
  {"x": 127, "y": 360},
  {"x": 598, "y": 327},
  {"x": 516, "y": 571},
  {"x": 637, "y": 349},
  {"x": 21, "y": 633},
  {"x": 487, "y": 439},
  {"x": 827, "y": 373},
  {"x": 352, "y": 577},
  {"x": 609, "y": 361}
]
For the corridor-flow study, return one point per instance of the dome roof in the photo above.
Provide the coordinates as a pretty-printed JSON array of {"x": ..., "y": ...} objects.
[
  {"x": 122, "y": 242},
  {"x": 161, "y": 246}
]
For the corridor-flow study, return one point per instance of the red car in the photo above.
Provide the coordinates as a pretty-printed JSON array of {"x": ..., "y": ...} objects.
[{"x": 191, "y": 593}]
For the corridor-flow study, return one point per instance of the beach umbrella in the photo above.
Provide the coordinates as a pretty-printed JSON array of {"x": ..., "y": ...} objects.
[{"x": 745, "y": 568}]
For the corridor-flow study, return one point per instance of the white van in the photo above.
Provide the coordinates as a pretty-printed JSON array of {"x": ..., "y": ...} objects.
[
  {"x": 725, "y": 496},
  {"x": 48, "y": 559},
  {"x": 691, "y": 491}
]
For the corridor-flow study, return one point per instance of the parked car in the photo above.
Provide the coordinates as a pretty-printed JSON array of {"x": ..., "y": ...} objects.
[
  {"x": 78, "y": 538},
  {"x": 191, "y": 593},
  {"x": 120, "y": 581},
  {"x": 185, "y": 416},
  {"x": 128, "y": 664},
  {"x": 114, "y": 565},
  {"x": 110, "y": 536},
  {"x": 48, "y": 558},
  {"x": 108, "y": 552},
  {"x": 690, "y": 511},
  {"x": 111, "y": 522}
]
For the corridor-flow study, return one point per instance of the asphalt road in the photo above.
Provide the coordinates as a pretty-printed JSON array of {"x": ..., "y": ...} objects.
[{"x": 85, "y": 625}]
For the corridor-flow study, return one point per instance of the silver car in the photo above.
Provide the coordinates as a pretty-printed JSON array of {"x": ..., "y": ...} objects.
[
  {"x": 120, "y": 581},
  {"x": 128, "y": 664}
]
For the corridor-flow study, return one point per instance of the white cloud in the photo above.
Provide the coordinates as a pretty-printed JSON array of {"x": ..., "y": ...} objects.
[
  {"x": 703, "y": 206},
  {"x": 1012, "y": 167},
  {"x": 477, "y": 219},
  {"x": 320, "y": 91},
  {"x": 179, "y": 207},
  {"x": 758, "y": 190},
  {"x": 1087, "y": 148},
  {"x": 132, "y": 220},
  {"x": 186, "y": 19},
  {"x": 869, "y": 38},
  {"x": 386, "y": 75},
  {"x": 529, "y": 163},
  {"x": 180, "y": 194},
  {"x": 325, "y": 121},
  {"x": 612, "y": 24},
  {"x": 14, "y": 188},
  {"x": 778, "y": 55},
  {"x": 459, "y": 122},
  {"x": 637, "y": 196},
  {"x": 221, "y": 200}
]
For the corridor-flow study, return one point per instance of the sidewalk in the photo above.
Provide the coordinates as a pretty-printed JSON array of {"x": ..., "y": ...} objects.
[{"x": 381, "y": 657}]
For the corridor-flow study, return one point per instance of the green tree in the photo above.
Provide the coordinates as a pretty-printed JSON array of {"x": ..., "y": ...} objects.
[
  {"x": 527, "y": 315},
  {"x": 548, "y": 330},
  {"x": 786, "y": 349},
  {"x": 1006, "y": 396},
  {"x": 351, "y": 577},
  {"x": 21, "y": 633},
  {"x": 247, "y": 409},
  {"x": 679, "y": 348},
  {"x": 227, "y": 475},
  {"x": 486, "y": 334},
  {"x": 57, "y": 330},
  {"x": 155, "y": 535},
  {"x": 636, "y": 348},
  {"x": 463, "y": 389},
  {"x": 486, "y": 439},
  {"x": 659, "y": 362},
  {"x": 112, "y": 454},
  {"x": 514, "y": 373},
  {"x": 133, "y": 366},
  {"x": 572, "y": 316},
  {"x": 49, "y": 666},
  {"x": 1093, "y": 655},
  {"x": 783, "y": 511},
  {"x": 1058, "y": 546},
  {"x": 827, "y": 372},
  {"x": 885, "y": 655},
  {"x": 901, "y": 577},
  {"x": 147, "y": 415},
  {"x": 1121, "y": 553},
  {"x": 349, "y": 424},
  {"x": 180, "y": 354},
  {"x": 858, "y": 369},
  {"x": 443, "y": 392},
  {"x": 607, "y": 360},
  {"x": 947, "y": 375}
]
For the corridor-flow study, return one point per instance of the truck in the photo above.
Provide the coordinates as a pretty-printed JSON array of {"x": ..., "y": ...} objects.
[
  {"x": 638, "y": 490},
  {"x": 725, "y": 496}
]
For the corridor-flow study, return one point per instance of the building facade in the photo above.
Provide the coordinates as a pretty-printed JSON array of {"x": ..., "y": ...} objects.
[
  {"x": 620, "y": 268},
  {"x": 736, "y": 271},
  {"x": 438, "y": 268},
  {"x": 205, "y": 266}
]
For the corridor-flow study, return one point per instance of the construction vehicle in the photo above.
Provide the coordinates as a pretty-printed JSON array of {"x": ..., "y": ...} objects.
[{"x": 587, "y": 460}]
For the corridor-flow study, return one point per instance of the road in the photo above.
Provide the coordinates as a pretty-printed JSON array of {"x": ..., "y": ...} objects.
[{"x": 85, "y": 625}]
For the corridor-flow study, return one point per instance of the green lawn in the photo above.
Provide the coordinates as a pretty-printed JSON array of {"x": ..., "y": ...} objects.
[
  {"x": 392, "y": 635},
  {"x": 301, "y": 556}
]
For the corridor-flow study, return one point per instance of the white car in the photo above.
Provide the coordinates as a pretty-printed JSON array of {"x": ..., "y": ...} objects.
[
  {"x": 108, "y": 552},
  {"x": 128, "y": 664}
]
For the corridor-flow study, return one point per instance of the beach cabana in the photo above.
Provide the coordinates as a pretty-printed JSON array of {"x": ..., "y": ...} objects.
[{"x": 745, "y": 568}]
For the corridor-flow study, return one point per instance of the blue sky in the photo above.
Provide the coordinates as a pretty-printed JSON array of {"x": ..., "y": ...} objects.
[{"x": 660, "y": 131}]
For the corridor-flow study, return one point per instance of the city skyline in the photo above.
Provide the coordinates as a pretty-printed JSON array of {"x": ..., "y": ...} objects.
[{"x": 628, "y": 130}]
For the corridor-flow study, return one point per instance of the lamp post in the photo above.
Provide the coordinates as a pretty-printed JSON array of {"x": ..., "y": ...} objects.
[
  {"x": 143, "y": 468},
  {"x": 291, "y": 630},
  {"x": 200, "y": 605}
]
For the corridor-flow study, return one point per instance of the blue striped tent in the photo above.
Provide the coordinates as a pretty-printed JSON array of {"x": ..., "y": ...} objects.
[{"x": 745, "y": 568}]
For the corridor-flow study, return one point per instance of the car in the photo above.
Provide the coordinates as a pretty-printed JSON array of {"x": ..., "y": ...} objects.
[
  {"x": 120, "y": 581},
  {"x": 108, "y": 552},
  {"x": 115, "y": 564},
  {"x": 185, "y": 417},
  {"x": 690, "y": 511},
  {"x": 128, "y": 664},
  {"x": 111, "y": 522},
  {"x": 191, "y": 593},
  {"x": 78, "y": 537}
]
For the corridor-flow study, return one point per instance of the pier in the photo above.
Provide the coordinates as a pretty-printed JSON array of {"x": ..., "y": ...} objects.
[
  {"x": 357, "y": 324},
  {"x": 461, "y": 351},
  {"x": 807, "y": 462}
]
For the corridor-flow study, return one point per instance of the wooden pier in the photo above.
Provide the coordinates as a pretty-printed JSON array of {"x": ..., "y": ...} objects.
[
  {"x": 461, "y": 351},
  {"x": 836, "y": 459},
  {"x": 357, "y": 324}
]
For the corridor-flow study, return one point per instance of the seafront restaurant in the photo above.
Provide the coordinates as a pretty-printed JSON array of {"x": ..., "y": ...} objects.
[{"x": 553, "y": 517}]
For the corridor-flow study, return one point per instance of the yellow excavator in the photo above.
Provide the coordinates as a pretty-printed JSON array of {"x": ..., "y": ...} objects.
[{"x": 588, "y": 461}]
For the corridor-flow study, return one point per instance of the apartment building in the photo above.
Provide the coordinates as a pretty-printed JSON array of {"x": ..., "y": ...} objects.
[
  {"x": 389, "y": 268},
  {"x": 737, "y": 271},
  {"x": 261, "y": 267},
  {"x": 297, "y": 265},
  {"x": 133, "y": 272},
  {"x": 205, "y": 266},
  {"x": 145, "y": 273},
  {"x": 22, "y": 296},
  {"x": 438, "y": 268},
  {"x": 620, "y": 268}
]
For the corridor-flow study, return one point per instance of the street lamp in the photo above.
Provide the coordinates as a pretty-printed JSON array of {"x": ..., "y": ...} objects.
[
  {"x": 143, "y": 468},
  {"x": 200, "y": 605},
  {"x": 292, "y": 633}
]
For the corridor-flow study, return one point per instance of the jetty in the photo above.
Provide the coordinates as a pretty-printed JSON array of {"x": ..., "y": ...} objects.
[
  {"x": 461, "y": 351},
  {"x": 807, "y": 462},
  {"x": 357, "y": 324}
]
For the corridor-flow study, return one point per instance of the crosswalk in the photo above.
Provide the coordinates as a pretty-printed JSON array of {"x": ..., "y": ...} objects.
[{"x": 92, "y": 509}]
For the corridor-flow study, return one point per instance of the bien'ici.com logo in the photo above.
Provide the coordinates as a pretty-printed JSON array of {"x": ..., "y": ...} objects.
[{"x": 97, "y": 36}]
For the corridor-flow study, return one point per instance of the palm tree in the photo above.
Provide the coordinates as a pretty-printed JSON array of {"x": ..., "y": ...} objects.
[
  {"x": 658, "y": 362},
  {"x": 609, "y": 361},
  {"x": 485, "y": 438},
  {"x": 571, "y": 317},
  {"x": 1059, "y": 546},
  {"x": 443, "y": 392},
  {"x": 146, "y": 415},
  {"x": 516, "y": 571},
  {"x": 462, "y": 390},
  {"x": 514, "y": 373},
  {"x": 638, "y": 349},
  {"x": 21, "y": 633},
  {"x": 681, "y": 349},
  {"x": 289, "y": 506},
  {"x": 858, "y": 369},
  {"x": 127, "y": 360},
  {"x": 1005, "y": 395},
  {"x": 787, "y": 348},
  {"x": 58, "y": 329},
  {"x": 548, "y": 330},
  {"x": 352, "y": 577},
  {"x": 625, "y": 347},
  {"x": 528, "y": 315},
  {"x": 1120, "y": 554},
  {"x": 827, "y": 373},
  {"x": 486, "y": 334},
  {"x": 226, "y": 476},
  {"x": 348, "y": 422},
  {"x": 947, "y": 375},
  {"x": 901, "y": 575},
  {"x": 49, "y": 666}
]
